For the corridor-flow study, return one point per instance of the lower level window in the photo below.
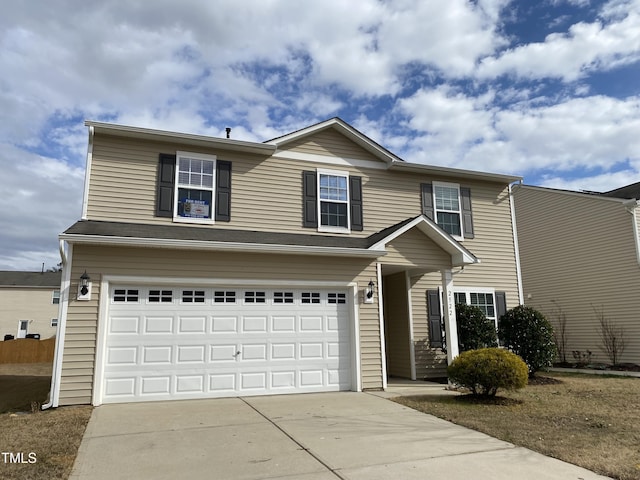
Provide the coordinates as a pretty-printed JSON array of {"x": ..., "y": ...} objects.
[
  {"x": 485, "y": 301},
  {"x": 54, "y": 322}
]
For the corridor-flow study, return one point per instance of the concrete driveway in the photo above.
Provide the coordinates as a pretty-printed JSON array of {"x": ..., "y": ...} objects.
[{"x": 323, "y": 436}]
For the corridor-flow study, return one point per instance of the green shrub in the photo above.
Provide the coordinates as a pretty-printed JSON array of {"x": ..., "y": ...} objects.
[
  {"x": 526, "y": 332},
  {"x": 474, "y": 329},
  {"x": 486, "y": 370}
]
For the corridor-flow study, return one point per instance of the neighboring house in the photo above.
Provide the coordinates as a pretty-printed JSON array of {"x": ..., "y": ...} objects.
[
  {"x": 311, "y": 262},
  {"x": 580, "y": 256},
  {"x": 29, "y": 303}
]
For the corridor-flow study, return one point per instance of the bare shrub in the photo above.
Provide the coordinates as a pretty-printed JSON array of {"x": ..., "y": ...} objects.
[
  {"x": 611, "y": 336},
  {"x": 560, "y": 335}
]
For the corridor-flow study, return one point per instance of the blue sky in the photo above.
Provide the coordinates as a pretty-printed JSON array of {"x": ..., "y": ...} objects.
[{"x": 547, "y": 90}]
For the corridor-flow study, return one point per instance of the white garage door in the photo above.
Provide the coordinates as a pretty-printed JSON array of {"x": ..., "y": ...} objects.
[{"x": 184, "y": 342}]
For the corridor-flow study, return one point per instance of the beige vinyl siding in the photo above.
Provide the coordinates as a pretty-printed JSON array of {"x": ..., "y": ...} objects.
[
  {"x": 578, "y": 253},
  {"x": 82, "y": 320},
  {"x": 330, "y": 143},
  {"x": 27, "y": 303},
  {"x": 396, "y": 318},
  {"x": 267, "y": 196},
  {"x": 414, "y": 248}
]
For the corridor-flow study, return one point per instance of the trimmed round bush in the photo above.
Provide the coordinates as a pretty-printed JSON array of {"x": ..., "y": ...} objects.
[
  {"x": 486, "y": 370},
  {"x": 526, "y": 332},
  {"x": 475, "y": 330}
]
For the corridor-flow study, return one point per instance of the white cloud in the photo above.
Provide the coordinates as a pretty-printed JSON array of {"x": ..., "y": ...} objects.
[
  {"x": 584, "y": 48},
  {"x": 41, "y": 198}
]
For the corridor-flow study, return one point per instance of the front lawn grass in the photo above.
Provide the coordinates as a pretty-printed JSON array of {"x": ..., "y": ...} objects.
[{"x": 590, "y": 421}]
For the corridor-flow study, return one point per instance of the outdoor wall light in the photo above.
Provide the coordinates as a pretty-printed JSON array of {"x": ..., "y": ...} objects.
[
  {"x": 369, "y": 292},
  {"x": 84, "y": 287}
]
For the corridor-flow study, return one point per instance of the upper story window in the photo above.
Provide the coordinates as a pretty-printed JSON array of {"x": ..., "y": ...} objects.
[
  {"x": 447, "y": 207},
  {"x": 194, "y": 187},
  {"x": 55, "y": 297},
  {"x": 332, "y": 201}
]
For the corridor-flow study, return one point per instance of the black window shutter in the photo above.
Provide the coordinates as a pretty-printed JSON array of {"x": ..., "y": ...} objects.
[
  {"x": 309, "y": 200},
  {"x": 223, "y": 191},
  {"x": 501, "y": 304},
  {"x": 434, "y": 318},
  {"x": 355, "y": 195},
  {"x": 166, "y": 177},
  {"x": 427, "y": 200},
  {"x": 467, "y": 216}
]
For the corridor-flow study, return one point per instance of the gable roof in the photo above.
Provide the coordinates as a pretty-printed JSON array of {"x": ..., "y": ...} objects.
[
  {"x": 391, "y": 160},
  {"x": 345, "y": 129},
  {"x": 11, "y": 278},
  {"x": 459, "y": 254}
]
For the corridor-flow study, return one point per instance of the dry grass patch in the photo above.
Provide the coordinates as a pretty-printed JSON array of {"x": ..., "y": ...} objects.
[
  {"x": 53, "y": 435},
  {"x": 590, "y": 421}
]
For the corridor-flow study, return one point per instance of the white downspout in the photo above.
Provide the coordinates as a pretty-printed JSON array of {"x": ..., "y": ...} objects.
[
  {"x": 516, "y": 245},
  {"x": 87, "y": 172},
  {"x": 383, "y": 340},
  {"x": 54, "y": 392},
  {"x": 632, "y": 207}
]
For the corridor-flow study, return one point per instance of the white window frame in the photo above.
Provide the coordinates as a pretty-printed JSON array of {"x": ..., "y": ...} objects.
[
  {"x": 469, "y": 290},
  {"x": 459, "y": 211},
  {"x": 54, "y": 322},
  {"x": 177, "y": 185},
  {"x": 55, "y": 295},
  {"x": 329, "y": 228}
]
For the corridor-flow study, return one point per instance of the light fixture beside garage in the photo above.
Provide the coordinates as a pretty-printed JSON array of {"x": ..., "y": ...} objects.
[
  {"x": 84, "y": 287},
  {"x": 369, "y": 292}
]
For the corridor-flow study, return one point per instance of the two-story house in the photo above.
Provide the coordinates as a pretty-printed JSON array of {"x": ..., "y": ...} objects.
[
  {"x": 316, "y": 261},
  {"x": 580, "y": 261},
  {"x": 29, "y": 303}
]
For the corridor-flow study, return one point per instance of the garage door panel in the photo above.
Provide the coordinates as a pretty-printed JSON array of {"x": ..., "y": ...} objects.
[
  {"x": 158, "y": 325},
  {"x": 226, "y": 342}
]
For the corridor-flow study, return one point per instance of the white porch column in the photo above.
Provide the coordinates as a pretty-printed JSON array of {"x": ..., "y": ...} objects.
[{"x": 449, "y": 311}]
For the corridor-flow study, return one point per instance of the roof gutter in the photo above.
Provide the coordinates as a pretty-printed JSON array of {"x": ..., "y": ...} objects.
[
  {"x": 458, "y": 172},
  {"x": 220, "y": 246}
]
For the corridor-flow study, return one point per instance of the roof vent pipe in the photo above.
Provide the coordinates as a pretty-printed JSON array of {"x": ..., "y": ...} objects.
[{"x": 228, "y": 129}]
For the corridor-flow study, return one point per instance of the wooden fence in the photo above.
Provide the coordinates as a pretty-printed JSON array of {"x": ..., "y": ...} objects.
[{"x": 27, "y": 350}]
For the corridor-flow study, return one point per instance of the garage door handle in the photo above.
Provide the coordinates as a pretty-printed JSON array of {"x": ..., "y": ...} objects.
[{"x": 237, "y": 353}]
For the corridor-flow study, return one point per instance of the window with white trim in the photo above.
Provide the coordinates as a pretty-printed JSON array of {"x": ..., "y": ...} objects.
[
  {"x": 126, "y": 295},
  {"x": 160, "y": 296},
  {"x": 55, "y": 297},
  {"x": 54, "y": 322},
  {"x": 336, "y": 297},
  {"x": 255, "y": 297},
  {"x": 447, "y": 205},
  {"x": 310, "y": 297},
  {"x": 224, "y": 296},
  {"x": 194, "y": 188},
  {"x": 484, "y": 299},
  {"x": 282, "y": 297},
  {"x": 193, "y": 296},
  {"x": 333, "y": 200}
]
